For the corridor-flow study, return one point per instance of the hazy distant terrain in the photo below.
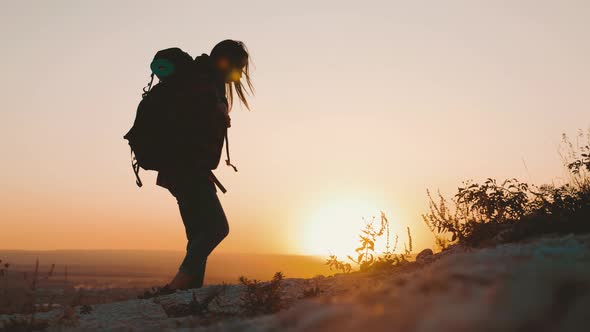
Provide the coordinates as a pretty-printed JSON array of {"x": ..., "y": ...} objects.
[{"x": 138, "y": 268}]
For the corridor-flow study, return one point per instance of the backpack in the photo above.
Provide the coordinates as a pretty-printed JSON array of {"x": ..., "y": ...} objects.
[{"x": 156, "y": 138}]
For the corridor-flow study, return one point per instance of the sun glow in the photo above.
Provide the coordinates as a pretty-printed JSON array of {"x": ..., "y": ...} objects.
[{"x": 334, "y": 228}]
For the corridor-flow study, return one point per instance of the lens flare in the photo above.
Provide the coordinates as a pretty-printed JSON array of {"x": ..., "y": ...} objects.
[
  {"x": 235, "y": 75},
  {"x": 222, "y": 63}
]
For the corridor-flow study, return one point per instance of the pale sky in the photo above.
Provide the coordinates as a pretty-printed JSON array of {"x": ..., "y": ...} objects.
[{"x": 360, "y": 106}]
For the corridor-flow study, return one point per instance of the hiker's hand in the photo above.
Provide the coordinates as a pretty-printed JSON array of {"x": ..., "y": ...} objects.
[{"x": 227, "y": 120}]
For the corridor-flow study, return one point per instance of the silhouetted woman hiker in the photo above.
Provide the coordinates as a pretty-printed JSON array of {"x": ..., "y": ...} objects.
[{"x": 193, "y": 186}]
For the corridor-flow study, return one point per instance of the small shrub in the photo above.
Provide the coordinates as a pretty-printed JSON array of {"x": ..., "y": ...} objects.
[
  {"x": 86, "y": 309},
  {"x": 194, "y": 307},
  {"x": 262, "y": 298},
  {"x": 491, "y": 212}
]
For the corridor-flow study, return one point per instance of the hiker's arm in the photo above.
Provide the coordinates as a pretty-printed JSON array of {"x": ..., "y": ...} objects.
[{"x": 206, "y": 132}]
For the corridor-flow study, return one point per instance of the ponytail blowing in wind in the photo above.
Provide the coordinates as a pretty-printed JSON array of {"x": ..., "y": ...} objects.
[{"x": 233, "y": 59}]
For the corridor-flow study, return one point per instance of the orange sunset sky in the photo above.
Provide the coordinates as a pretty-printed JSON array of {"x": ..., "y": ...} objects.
[{"x": 360, "y": 107}]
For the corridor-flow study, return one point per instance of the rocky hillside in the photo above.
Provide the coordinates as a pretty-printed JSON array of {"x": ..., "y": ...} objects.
[{"x": 538, "y": 285}]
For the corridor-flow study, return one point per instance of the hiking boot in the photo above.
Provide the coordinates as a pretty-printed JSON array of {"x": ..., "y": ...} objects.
[{"x": 157, "y": 291}]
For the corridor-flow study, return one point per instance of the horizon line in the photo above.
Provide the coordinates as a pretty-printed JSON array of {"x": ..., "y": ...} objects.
[{"x": 164, "y": 250}]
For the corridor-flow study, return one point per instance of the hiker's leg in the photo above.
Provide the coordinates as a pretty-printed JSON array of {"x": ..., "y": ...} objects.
[
  {"x": 197, "y": 281},
  {"x": 212, "y": 228},
  {"x": 206, "y": 226},
  {"x": 185, "y": 278},
  {"x": 181, "y": 281}
]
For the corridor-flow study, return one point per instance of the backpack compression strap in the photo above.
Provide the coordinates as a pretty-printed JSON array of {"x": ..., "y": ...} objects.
[
  {"x": 135, "y": 167},
  {"x": 228, "y": 160},
  {"x": 213, "y": 178}
]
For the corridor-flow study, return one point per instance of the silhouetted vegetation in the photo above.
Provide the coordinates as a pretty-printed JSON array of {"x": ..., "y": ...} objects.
[
  {"x": 367, "y": 258},
  {"x": 491, "y": 212},
  {"x": 511, "y": 210},
  {"x": 334, "y": 263},
  {"x": 262, "y": 298}
]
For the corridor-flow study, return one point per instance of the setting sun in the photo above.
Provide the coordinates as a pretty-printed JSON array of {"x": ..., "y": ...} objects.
[{"x": 334, "y": 228}]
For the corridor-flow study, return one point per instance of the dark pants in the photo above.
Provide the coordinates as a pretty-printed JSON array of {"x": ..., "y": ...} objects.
[{"x": 205, "y": 225}]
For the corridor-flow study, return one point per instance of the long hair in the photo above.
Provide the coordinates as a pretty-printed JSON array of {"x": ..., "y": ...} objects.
[{"x": 237, "y": 54}]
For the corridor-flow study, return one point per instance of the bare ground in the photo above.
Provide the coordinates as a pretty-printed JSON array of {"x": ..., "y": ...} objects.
[{"x": 538, "y": 285}]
